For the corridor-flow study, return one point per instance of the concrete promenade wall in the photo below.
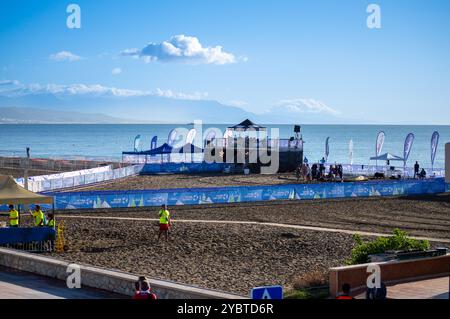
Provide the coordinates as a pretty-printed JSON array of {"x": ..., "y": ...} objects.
[
  {"x": 95, "y": 277},
  {"x": 392, "y": 272}
]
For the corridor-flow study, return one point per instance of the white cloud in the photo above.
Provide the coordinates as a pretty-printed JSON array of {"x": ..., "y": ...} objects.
[
  {"x": 86, "y": 89},
  {"x": 237, "y": 103},
  {"x": 184, "y": 49},
  {"x": 180, "y": 95},
  {"x": 8, "y": 82},
  {"x": 116, "y": 71},
  {"x": 19, "y": 89},
  {"x": 64, "y": 56},
  {"x": 12, "y": 88},
  {"x": 307, "y": 106}
]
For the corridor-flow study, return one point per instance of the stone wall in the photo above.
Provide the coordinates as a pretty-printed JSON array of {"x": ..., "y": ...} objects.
[{"x": 94, "y": 277}]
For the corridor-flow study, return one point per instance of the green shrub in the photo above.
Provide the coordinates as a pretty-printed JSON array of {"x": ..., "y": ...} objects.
[{"x": 399, "y": 241}]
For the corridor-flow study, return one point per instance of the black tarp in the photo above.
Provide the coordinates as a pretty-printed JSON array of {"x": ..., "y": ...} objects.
[{"x": 247, "y": 125}]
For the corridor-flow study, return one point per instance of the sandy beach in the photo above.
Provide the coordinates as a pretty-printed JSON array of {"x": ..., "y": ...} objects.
[{"x": 234, "y": 257}]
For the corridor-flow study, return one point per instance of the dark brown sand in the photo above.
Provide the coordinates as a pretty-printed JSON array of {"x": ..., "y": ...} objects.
[
  {"x": 235, "y": 258},
  {"x": 191, "y": 181},
  {"x": 427, "y": 216},
  {"x": 232, "y": 258}
]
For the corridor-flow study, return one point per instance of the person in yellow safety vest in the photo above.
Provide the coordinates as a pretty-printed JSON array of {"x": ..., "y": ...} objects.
[
  {"x": 13, "y": 217},
  {"x": 164, "y": 222},
  {"x": 51, "y": 220},
  {"x": 39, "y": 217}
]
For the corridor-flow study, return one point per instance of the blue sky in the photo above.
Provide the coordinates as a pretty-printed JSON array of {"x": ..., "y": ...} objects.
[{"x": 282, "y": 52}]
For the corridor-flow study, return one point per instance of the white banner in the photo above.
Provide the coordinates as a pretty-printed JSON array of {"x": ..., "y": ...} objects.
[{"x": 379, "y": 143}]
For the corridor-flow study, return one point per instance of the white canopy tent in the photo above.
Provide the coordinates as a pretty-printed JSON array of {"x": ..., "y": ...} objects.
[{"x": 387, "y": 157}]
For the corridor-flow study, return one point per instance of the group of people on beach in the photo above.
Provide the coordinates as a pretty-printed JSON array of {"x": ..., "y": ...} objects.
[
  {"x": 40, "y": 219},
  {"x": 317, "y": 171},
  {"x": 419, "y": 174}
]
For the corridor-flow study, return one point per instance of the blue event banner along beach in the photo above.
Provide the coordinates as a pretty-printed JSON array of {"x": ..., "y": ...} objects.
[{"x": 237, "y": 194}]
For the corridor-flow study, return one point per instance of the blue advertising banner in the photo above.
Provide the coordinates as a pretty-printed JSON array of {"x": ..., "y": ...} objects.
[
  {"x": 154, "y": 143},
  {"x": 182, "y": 168},
  {"x": 237, "y": 194},
  {"x": 26, "y": 235}
]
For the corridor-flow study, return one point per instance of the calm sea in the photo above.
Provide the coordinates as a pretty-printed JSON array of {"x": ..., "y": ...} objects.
[{"x": 110, "y": 140}]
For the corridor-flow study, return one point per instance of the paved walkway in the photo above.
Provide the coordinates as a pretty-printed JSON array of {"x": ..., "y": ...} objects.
[
  {"x": 22, "y": 285},
  {"x": 333, "y": 230},
  {"x": 437, "y": 288},
  {"x": 425, "y": 289}
]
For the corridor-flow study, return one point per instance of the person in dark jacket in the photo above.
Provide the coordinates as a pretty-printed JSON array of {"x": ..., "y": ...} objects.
[
  {"x": 377, "y": 293},
  {"x": 416, "y": 169}
]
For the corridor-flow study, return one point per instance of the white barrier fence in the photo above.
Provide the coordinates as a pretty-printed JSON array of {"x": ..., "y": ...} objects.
[
  {"x": 62, "y": 175},
  {"x": 79, "y": 178},
  {"x": 369, "y": 170}
]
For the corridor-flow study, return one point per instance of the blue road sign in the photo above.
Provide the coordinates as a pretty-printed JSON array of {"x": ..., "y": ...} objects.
[{"x": 268, "y": 292}]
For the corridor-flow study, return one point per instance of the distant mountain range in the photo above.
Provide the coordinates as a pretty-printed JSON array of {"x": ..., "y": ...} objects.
[
  {"x": 27, "y": 115},
  {"x": 48, "y": 107}
]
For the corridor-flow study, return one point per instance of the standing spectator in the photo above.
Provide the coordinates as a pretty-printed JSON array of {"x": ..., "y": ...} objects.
[
  {"x": 345, "y": 293},
  {"x": 314, "y": 171},
  {"x": 377, "y": 293},
  {"x": 305, "y": 160},
  {"x": 39, "y": 217},
  {"x": 416, "y": 169},
  {"x": 164, "y": 222},
  {"x": 304, "y": 171},
  {"x": 143, "y": 289},
  {"x": 298, "y": 172},
  {"x": 13, "y": 217},
  {"x": 321, "y": 170},
  {"x": 51, "y": 220},
  {"x": 322, "y": 161},
  {"x": 308, "y": 172},
  {"x": 341, "y": 172}
]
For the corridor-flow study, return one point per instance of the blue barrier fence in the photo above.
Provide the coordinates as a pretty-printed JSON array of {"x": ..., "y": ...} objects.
[
  {"x": 236, "y": 194},
  {"x": 183, "y": 168},
  {"x": 26, "y": 235}
]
